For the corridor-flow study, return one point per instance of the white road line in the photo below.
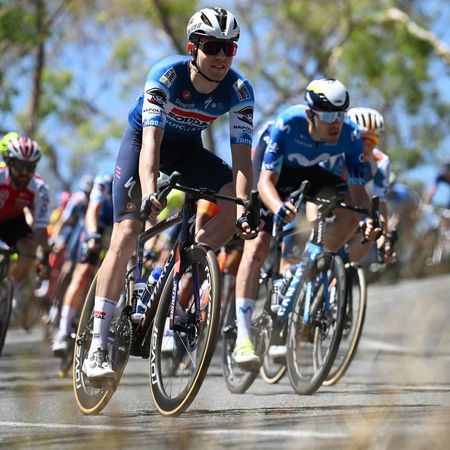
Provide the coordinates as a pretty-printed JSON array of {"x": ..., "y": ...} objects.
[{"x": 254, "y": 432}]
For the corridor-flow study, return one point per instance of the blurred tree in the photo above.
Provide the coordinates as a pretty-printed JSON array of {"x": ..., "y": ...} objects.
[
  {"x": 70, "y": 67},
  {"x": 383, "y": 51}
]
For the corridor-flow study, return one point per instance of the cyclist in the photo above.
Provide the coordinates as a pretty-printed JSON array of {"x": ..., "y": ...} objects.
[
  {"x": 182, "y": 96},
  {"x": 377, "y": 169},
  {"x": 299, "y": 139},
  {"x": 21, "y": 188},
  {"x": 442, "y": 177},
  {"x": 96, "y": 227}
]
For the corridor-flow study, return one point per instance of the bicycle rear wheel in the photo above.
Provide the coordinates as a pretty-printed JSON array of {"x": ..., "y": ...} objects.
[
  {"x": 312, "y": 346},
  {"x": 92, "y": 396},
  {"x": 6, "y": 290},
  {"x": 236, "y": 379},
  {"x": 272, "y": 370},
  {"x": 192, "y": 342},
  {"x": 355, "y": 312}
]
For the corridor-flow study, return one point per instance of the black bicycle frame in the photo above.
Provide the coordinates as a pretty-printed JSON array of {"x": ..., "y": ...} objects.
[{"x": 185, "y": 237}]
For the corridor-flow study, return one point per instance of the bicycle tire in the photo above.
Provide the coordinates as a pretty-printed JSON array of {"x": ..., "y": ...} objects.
[
  {"x": 198, "y": 342},
  {"x": 236, "y": 379},
  {"x": 271, "y": 371},
  {"x": 92, "y": 397},
  {"x": 307, "y": 362},
  {"x": 6, "y": 294},
  {"x": 355, "y": 313}
]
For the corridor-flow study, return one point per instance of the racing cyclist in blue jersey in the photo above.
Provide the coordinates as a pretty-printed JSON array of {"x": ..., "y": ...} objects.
[
  {"x": 299, "y": 139},
  {"x": 182, "y": 96}
]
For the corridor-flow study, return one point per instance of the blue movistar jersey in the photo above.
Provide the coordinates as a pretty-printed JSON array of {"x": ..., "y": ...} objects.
[
  {"x": 290, "y": 144},
  {"x": 171, "y": 102},
  {"x": 377, "y": 169}
]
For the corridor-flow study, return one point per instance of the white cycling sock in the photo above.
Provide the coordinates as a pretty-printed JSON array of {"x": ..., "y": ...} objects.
[
  {"x": 67, "y": 315},
  {"x": 103, "y": 313},
  {"x": 244, "y": 310}
]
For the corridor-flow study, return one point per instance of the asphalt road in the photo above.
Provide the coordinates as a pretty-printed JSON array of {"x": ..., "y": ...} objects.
[{"x": 395, "y": 395}]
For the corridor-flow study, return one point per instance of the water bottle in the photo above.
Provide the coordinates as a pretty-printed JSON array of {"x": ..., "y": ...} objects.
[
  {"x": 280, "y": 287},
  {"x": 276, "y": 297},
  {"x": 141, "y": 294}
]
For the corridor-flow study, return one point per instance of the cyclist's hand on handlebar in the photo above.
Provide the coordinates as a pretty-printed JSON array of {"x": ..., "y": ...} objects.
[
  {"x": 244, "y": 230},
  {"x": 151, "y": 206},
  {"x": 287, "y": 212},
  {"x": 370, "y": 232}
]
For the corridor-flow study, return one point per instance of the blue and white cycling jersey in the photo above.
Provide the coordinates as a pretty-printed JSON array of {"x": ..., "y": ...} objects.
[
  {"x": 102, "y": 193},
  {"x": 171, "y": 102},
  {"x": 376, "y": 169},
  {"x": 290, "y": 144}
]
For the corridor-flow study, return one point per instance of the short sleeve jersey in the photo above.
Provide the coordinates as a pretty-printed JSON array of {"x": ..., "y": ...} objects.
[
  {"x": 35, "y": 196},
  {"x": 290, "y": 144},
  {"x": 171, "y": 102}
]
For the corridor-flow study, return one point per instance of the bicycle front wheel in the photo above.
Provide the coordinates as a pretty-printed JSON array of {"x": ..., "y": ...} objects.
[
  {"x": 355, "y": 312},
  {"x": 180, "y": 357},
  {"x": 312, "y": 344},
  {"x": 6, "y": 294}
]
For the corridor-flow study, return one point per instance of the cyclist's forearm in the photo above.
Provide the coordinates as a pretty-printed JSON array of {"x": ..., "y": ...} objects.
[
  {"x": 268, "y": 192},
  {"x": 149, "y": 159},
  {"x": 40, "y": 235},
  {"x": 242, "y": 173}
]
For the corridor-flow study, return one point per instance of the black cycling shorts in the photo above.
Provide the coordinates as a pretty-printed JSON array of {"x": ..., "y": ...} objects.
[
  {"x": 13, "y": 230},
  {"x": 198, "y": 167}
]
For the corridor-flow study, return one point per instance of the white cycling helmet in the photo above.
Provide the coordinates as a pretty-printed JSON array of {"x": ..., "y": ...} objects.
[
  {"x": 23, "y": 149},
  {"x": 327, "y": 94},
  {"x": 368, "y": 120},
  {"x": 213, "y": 22}
]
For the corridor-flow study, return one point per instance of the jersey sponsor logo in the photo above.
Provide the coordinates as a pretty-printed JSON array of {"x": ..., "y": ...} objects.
[
  {"x": 152, "y": 123},
  {"x": 191, "y": 117},
  {"x": 184, "y": 105},
  {"x": 241, "y": 90},
  {"x": 188, "y": 120},
  {"x": 246, "y": 115},
  {"x": 281, "y": 126},
  {"x": 156, "y": 96},
  {"x": 209, "y": 102},
  {"x": 242, "y": 140},
  {"x": 152, "y": 110},
  {"x": 169, "y": 77},
  {"x": 301, "y": 160}
]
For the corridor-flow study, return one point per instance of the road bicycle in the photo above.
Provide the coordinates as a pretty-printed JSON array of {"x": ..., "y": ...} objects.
[
  {"x": 180, "y": 326},
  {"x": 355, "y": 313},
  {"x": 319, "y": 304},
  {"x": 239, "y": 378},
  {"x": 6, "y": 293}
]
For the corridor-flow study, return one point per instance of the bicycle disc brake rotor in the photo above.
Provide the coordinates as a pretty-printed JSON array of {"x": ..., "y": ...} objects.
[{"x": 121, "y": 332}]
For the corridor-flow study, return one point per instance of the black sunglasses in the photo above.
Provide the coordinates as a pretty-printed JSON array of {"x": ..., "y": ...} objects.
[
  {"x": 214, "y": 47},
  {"x": 23, "y": 166}
]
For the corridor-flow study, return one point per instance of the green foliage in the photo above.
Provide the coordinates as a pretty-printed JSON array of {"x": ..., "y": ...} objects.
[{"x": 97, "y": 51}]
